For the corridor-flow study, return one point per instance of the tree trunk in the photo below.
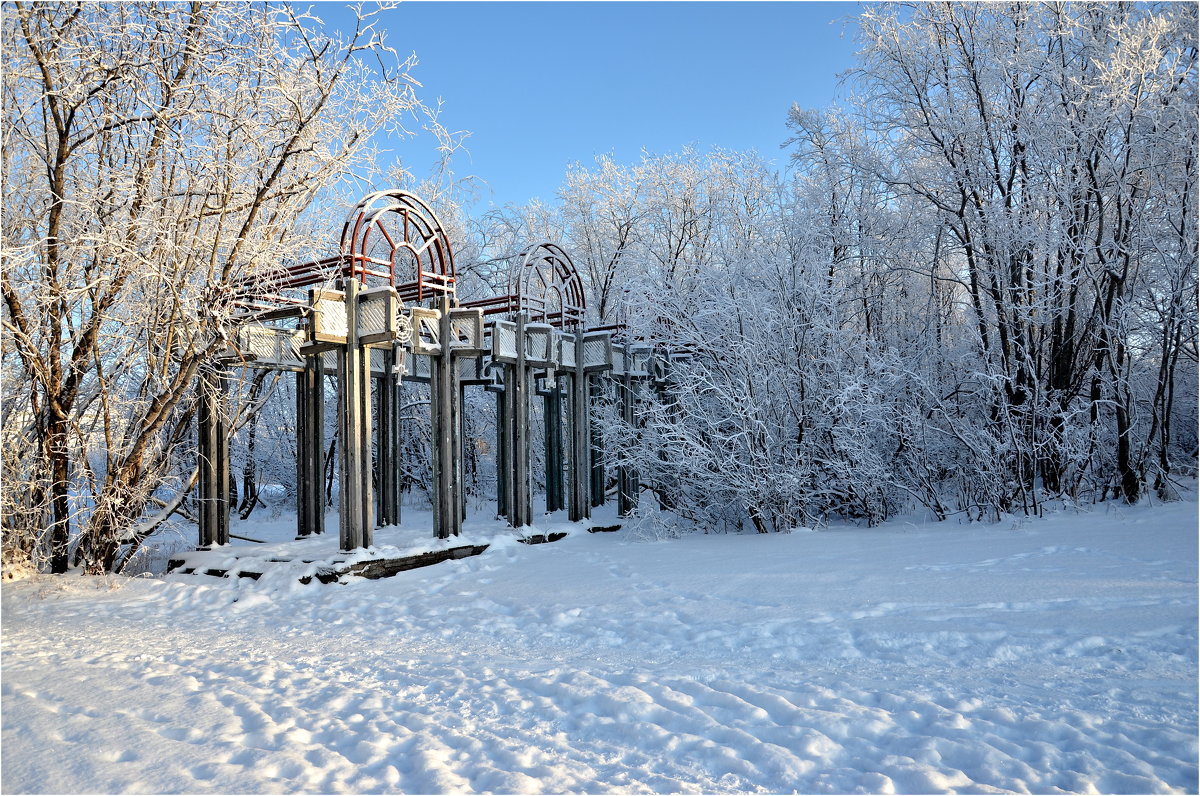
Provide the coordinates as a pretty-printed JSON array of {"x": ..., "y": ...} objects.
[{"x": 60, "y": 507}]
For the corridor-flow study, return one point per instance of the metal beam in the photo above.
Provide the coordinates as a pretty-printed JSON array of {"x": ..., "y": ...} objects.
[
  {"x": 444, "y": 417},
  {"x": 212, "y": 421},
  {"x": 503, "y": 476},
  {"x": 521, "y": 514},
  {"x": 355, "y": 501},
  {"x": 596, "y": 449},
  {"x": 627, "y": 478},
  {"x": 302, "y": 455},
  {"x": 385, "y": 442},
  {"x": 580, "y": 503}
]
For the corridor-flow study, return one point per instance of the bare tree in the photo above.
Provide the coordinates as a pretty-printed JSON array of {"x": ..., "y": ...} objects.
[
  {"x": 154, "y": 155},
  {"x": 1034, "y": 136}
]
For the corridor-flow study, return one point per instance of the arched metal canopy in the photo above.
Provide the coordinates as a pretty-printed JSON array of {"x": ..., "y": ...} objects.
[
  {"x": 389, "y": 238},
  {"x": 548, "y": 286},
  {"x": 394, "y": 238},
  {"x": 545, "y": 284}
]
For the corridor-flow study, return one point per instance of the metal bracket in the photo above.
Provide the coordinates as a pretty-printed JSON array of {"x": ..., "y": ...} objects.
[
  {"x": 466, "y": 332},
  {"x": 564, "y": 343},
  {"x": 378, "y": 317},
  {"x": 539, "y": 345},
  {"x": 418, "y": 368},
  {"x": 426, "y": 332},
  {"x": 327, "y": 321},
  {"x": 504, "y": 342},
  {"x": 597, "y": 351},
  {"x": 261, "y": 346}
]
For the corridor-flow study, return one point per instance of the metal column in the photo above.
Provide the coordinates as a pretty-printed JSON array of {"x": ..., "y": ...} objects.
[
  {"x": 386, "y": 453},
  {"x": 212, "y": 423},
  {"x": 580, "y": 506},
  {"x": 355, "y": 501},
  {"x": 395, "y": 441},
  {"x": 523, "y": 511},
  {"x": 502, "y": 453},
  {"x": 596, "y": 449},
  {"x": 460, "y": 434},
  {"x": 447, "y": 512},
  {"x": 552, "y": 417},
  {"x": 627, "y": 479},
  {"x": 310, "y": 447},
  {"x": 301, "y": 454}
]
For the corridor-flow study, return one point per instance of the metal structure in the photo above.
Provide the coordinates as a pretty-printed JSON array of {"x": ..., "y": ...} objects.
[
  {"x": 384, "y": 311},
  {"x": 390, "y": 238}
]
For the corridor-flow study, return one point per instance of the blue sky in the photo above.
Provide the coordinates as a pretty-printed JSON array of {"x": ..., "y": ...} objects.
[{"x": 542, "y": 84}]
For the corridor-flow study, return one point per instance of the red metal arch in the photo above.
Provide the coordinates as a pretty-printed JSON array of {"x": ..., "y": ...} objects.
[
  {"x": 388, "y": 227},
  {"x": 548, "y": 287},
  {"x": 390, "y": 237},
  {"x": 545, "y": 284}
]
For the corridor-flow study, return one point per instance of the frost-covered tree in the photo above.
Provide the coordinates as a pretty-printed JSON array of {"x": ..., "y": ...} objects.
[
  {"x": 978, "y": 292},
  {"x": 1038, "y": 138},
  {"x": 154, "y": 154}
]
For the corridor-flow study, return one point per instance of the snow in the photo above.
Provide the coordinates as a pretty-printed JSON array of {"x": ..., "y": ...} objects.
[
  {"x": 278, "y": 543},
  {"x": 1043, "y": 655}
]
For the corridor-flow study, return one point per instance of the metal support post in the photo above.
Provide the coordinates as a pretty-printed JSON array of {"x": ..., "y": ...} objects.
[
  {"x": 205, "y": 461},
  {"x": 548, "y": 447},
  {"x": 213, "y": 427},
  {"x": 580, "y": 504},
  {"x": 437, "y": 458},
  {"x": 365, "y": 468},
  {"x": 596, "y": 449},
  {"x": 315, "y": 375},
  {"x": 460, "y": 435},
  {"x": 511, "y": 410},
  {"x": 552, "y": 416},
  {"x": 516, "y": 434},
  {"x": 447, "y": 516},
  {"x": 385, "y": 442},
  {"x": 627, "y": 479},
  {"x": 395, "y": 441},
  {"x": 310, "y": 446},
  {"x": 223, "y": 478},
  {"x": 559, "y": 453},
  {"x": 502, "y": 454},
  {"x": 301, "y": 454},
  {"x": 522, "y": 511},
  {"x": 355, "y": 500}
]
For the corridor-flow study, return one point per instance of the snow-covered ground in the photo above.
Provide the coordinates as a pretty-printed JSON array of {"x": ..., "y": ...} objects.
[{"x": 1035, "y": 655}]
